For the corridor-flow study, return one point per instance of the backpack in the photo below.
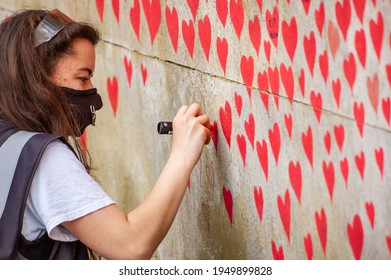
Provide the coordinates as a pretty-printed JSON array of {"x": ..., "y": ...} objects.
[{"x": 20, "y": 153}]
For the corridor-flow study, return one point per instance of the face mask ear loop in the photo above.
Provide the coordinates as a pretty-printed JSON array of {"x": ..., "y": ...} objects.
[{"x": 93, "y": 117}]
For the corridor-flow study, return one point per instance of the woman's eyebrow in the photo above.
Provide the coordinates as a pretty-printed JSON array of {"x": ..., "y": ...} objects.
[{"x": 86, "y": 69}]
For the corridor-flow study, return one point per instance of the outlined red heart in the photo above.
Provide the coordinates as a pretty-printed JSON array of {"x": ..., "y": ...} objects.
[
  {"x": 205, "y": 34},
  {"x": 361, "y": 46},
  {"x": 386, "y": 106},
  {"x": 344, "y": 167},
  {"x": 379, "y": 155},
  {"x": 247, "y": 71},
  {"x": 359, "y": 115},
  {"x": 134, "y": 15},
  {"x": 262, "y": 153},
  {"x": 377, "y": 33},
  {"x": 241, "y": 140},
  {"x": 324, "y": 65},
  {"x": 373, "y": 91},
  {"x": 343, "y": 13},
  {"x": 144, "y": 73},
  {"x": 321, "y": 226},
  {"x": 222, "y": 52},
  {"x": 370, "y": 208},
  {"x": 306, "y": 139},
  {"x": 278, "y": 254},
  {"x": 308, "y": 246},
  {"x": 339, "y": 133},
  {"x": 172, "y": 26},
  {"x": 319, "y": 18},
  {"x": 310, "y": 51},
  {"x": 275, "y": 141},
  {"x": 226, "y": 121},
  {"x": 258, "y": 199},
  {"x": 193, "y": 5},
  {"x": 316, "y": 102},
  {"x": 100, "y": 6},
  {"x": 238, "y": 103},
  {"x": 288, "y": 124},
  {"x": 289, "y": 34},
  {"x": 228, "y": 202},
  {"x": 222, "y": 10},
  {"x": 254, "y": 30},
  {"x": 327, "y": 141},
  {"x": 272, "y": 24},
  {"x": 356, "y": 236},
  {"x": 188, "y": 36},
  {"x": 274, "y": 82},
  {"x": 349, "y": 68},
  {"x": 333, "y": 38},
  {"x": 116, "y": 7},
  {"x": 359, "y": 6},
  {"x": 360, "y": 163},
  {"x": 153, "y": 15},
  {"x": 112, "y": 89},
  {"x": 288, "y": 81},
  {"x": 236, "y": 11},
  {"x": 302, "y": 82},
  {"x": 295, "y": 178},
  {"x": 128, "y": 70},
  {"x": 284, "y": 208},
  {"x": 329, "y": 176},
  {"x": 336, "y": 85},
  {"x": 249, "y": 126}
]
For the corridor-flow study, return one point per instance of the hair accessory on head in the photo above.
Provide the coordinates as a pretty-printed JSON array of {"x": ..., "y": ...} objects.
[{"x": 49, "y": 26}]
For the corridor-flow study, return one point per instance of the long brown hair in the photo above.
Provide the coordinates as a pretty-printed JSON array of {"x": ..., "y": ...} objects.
[{"x": 28, "y": 97}]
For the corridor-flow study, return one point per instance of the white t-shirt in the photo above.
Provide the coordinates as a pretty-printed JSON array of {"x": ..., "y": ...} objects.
[{"x": 61, "y": 191}]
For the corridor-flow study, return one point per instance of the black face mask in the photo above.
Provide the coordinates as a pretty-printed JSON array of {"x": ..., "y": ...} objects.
[{"x": 87, "y": 101}]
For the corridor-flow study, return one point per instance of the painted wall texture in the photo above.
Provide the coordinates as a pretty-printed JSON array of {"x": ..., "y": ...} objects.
[{"x": 299, "y": 94}]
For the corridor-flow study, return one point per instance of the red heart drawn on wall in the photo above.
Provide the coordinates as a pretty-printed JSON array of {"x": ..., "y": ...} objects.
[
  {"x": 377, "y": 33},
  {"x": 373, "y": 91},
  {"x": 329, "y": 176},
  {"x": 302, "y": 81},
  {"x": 262, "y": 152},
  {"x": 144, "y": 73},
  {"x": 388, "y": 69},
  {"x": 275, "y": 141},
  {"x": 388, "y": 241},
  {"x": 337, "y": 90},
  {"x": 306, "y": 5},
  {"x": 193, "y": 5},
  {"x": 379, "y": 155},
  {"x": 116, "y": 8},
  {"x": 241, "y": 140},
  {"x": 344, "y": 166},
  {"x": 310, "y": 51},
  {"x": 153, "y": 15},
  {"x": 267, "y": 48},
  {"x": 333, "y": 38},
  {"x": 259, "y": 2},
  {"x": 289, "y": 34},
  {"x": 339, "y": 133},
  {"x": 100, "y": 6},
  {"x": 238, "y": 103},
  {"x": 226, "y": 121},
  {"x": 254, "y": 29},
  {"x": 319, "y": 18},
  {"x": 228, "y": 202},
  {"x": 284, "y": 208},
  {"x": 288, "y": 81},
  {"x": 316, "y": 102},
  {"x": 359, "y": 6},
  {"x": 263, "y": 85},
  {"x": 327, "y": 141},
  {"x": 386, "y": 105},
  {"x": 135, "y": 18},
  {"x": 360, "y": 163},
  {"x": 306, "y": 139},
  {"x": 258, "y": 198},
  {"x": 237, "y": 16},
  {"x": 321, "y": 226},
  {"x": 188, "y": 36},
  {"x": 274, "y": 82},
  {"x": 359, "y": 115},
  {"x": 324, "y": 65},
  {"x": 247, "y": 71},
  {"x": 128, "y": 70},
  {"x": 371, "y": 213},
  {"x": 288, "y": 124},
  {"x": 112, "y": 89},
  {"x": 349, "y": 68},
  {"x": 222, "y": 52},
  {"x": 361, "y": 46},
  {"x": 356, "y": 236},
  {"x": 205, "y": 34},
  {"x": 249, "y": 126},
  {"x": 222, "y": 10},
  {"x": 214, "y": 134},
  {"x": 308, "y": 246},
  {"x": 295, "y": 178},
  {"x": 343, "y": 13},
  {"x": 272, "y": 24},
  {"x": 278, "y": 254},
  {"x": 172, "y": 26}
]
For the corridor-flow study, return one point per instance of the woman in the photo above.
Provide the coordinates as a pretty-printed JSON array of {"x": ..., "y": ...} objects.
[{"x": 46, "y": 65}]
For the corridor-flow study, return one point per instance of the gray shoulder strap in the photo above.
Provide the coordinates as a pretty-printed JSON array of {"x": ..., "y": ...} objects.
[{"x": 9, "y": 153}]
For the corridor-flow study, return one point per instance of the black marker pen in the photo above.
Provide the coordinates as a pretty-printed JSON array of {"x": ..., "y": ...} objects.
[{"x": 164, "y": 127}]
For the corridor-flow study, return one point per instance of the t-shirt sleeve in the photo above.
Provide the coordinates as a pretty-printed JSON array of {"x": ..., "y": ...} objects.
[{"x": 61, "y": 191}]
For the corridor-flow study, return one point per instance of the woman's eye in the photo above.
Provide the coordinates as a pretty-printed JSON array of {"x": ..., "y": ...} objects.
[{"x": 83, "y": 79}]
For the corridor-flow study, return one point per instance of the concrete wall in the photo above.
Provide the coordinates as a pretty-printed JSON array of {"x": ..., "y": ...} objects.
[{"x": 299, "y": 92}]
